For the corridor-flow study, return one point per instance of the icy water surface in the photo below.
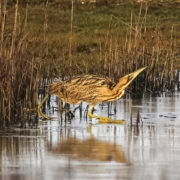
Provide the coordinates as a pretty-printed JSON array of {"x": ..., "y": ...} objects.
[{"x": 81, "y": 149}]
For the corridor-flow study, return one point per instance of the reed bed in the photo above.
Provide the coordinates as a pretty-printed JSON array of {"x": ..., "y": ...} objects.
[
  {"x": 19, "y": 75},
  {"x": 29, "y": 62},
  {"x": 142, "y": 47}
]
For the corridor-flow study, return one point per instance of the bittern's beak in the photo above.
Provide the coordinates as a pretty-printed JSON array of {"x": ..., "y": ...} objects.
[{"x": 135, "y": 73}]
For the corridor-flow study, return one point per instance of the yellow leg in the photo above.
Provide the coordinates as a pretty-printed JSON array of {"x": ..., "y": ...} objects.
[
  {"x": 90, "y": 131},
  {"x": 104, "y": 119},
  {"x": 39, "y": 108}
]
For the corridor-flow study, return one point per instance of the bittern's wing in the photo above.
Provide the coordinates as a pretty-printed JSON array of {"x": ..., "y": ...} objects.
[
  {"x": 89, "y": 88},
  {"x": 91, "y": 80}
]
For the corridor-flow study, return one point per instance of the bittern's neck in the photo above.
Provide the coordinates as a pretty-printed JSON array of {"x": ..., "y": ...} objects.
[
  {"x": 117, "y": 91},
  {"x": 121, "y": 85}
]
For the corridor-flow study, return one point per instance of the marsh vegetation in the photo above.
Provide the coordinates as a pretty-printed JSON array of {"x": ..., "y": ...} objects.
[{"x": 43, "y": 40}]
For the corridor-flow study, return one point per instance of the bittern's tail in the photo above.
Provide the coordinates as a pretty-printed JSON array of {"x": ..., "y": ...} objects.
[
  {"x": 127, "y": 79},
  {"x": 55, "y": 88}
]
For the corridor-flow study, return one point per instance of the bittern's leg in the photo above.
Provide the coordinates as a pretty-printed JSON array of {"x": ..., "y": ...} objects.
[
  {"x": 103, "y": 119},
  {"x": 90, "y": 114},
  {"x": 90, "y": 130},
  {"x": 39, "y": 108}
]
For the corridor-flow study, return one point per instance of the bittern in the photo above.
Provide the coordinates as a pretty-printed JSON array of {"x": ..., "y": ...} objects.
[{"x": 90, "y": 88}]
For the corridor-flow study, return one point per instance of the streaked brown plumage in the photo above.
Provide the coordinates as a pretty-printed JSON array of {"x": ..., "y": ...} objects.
[{"x": 90, "y": 88}]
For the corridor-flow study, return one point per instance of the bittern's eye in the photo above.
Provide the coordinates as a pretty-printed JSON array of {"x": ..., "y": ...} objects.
[{"x": 129, "y": 78}]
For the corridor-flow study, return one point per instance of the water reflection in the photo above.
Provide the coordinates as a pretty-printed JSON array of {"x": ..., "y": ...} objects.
[
  {"x": 68, "y": 150},
  {"x": 20, "y": 154},
  {"x": 90, "y": 149}
]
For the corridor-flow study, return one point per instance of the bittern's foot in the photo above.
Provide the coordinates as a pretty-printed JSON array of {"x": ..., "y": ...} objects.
[
  {"x": 104, "y": 119},
  {"x": 109, "y": 120},
  {"x": 43, "y": 116},
  {"x": 30, "y": 110},
  {"x": 44, "y": 121}
]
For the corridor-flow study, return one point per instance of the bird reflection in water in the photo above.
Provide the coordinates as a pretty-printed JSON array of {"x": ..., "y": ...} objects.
[{"x": 90, "y": 149}]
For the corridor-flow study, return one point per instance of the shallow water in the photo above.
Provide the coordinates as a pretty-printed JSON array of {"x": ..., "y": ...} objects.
[{"x": 83, "y": 149}]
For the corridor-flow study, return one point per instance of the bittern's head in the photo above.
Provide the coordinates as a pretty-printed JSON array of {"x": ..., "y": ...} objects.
[
  {"x": 130, "y": 77},
  {"x": 126, "y": 80}
]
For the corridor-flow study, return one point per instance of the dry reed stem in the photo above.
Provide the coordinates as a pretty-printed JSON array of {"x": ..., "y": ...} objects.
[
  {"x": 14, "y": 30},
  {"x": 3, "y": 21},
  {"x": 71, "y": 36}
]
